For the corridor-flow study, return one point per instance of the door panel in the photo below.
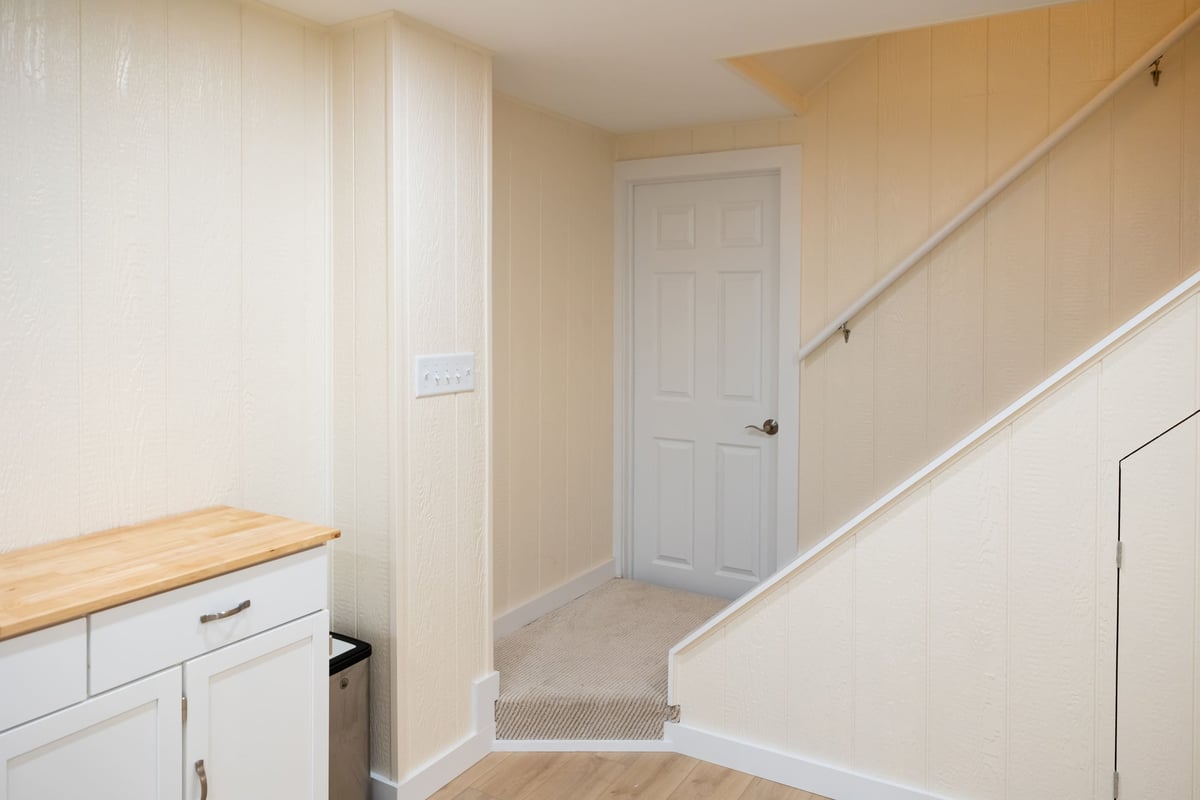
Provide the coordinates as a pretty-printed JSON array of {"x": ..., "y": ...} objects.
[
  {"x": 1156, "y": 656},
  {"x": 122, "y": 745},
  {"x": 706, "y": 278},
  {"x": 258, "y": 715}
]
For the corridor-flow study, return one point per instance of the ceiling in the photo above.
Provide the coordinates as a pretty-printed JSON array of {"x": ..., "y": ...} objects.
[{"x": 633, "y": 65}]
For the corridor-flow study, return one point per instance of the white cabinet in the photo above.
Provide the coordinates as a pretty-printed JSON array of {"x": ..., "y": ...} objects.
[
  {"x": 247, "y": 649},
  {"x": 257, "y": 697},
  {"x": 123, "y": 745}
]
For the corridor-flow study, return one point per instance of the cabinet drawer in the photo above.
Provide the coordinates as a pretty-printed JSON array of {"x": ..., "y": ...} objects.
[
  {"x": 42, "y": 672},
  {"x": 145, "y": 636}
]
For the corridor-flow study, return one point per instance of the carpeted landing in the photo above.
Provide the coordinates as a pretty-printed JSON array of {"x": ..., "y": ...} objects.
[{"x": 597, "y": 667}]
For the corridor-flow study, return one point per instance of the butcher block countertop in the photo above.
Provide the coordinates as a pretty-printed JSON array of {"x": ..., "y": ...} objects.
[{"x": 65, "y": 580}]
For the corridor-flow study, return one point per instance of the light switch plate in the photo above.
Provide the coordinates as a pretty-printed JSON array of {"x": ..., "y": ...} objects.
[{"x": 447, "y": 373}]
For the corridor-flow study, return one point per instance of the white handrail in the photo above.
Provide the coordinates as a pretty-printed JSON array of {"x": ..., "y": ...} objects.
[{"x": 1003, "y": 182}]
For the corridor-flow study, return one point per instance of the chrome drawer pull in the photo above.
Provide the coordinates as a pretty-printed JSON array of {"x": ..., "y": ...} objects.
[
  {"x": 242, "y": 606},
  {"x": 203, "y": 779}
]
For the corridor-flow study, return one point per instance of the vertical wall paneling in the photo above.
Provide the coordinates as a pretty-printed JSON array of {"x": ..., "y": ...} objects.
[
  {"x": 1141, "y": 23},
  {"x": 890, "y": 642},
  {"x": 525, "y": 267},
  {"x": 282, "y": 289},
  {"x": 343, "y": 447},
  {"x": 905, "y": 85},
  {"x": 754, "y": 682},
  {"x": 40, "y": 242},
  {"x": 968, "y": 624},
  {"x": 433, "y": 703},
  {"x": 555, "y": 347},
  {"x": 204, "y": 105},
  {"x": 1018, "y": 86},
  {"x": 472, "y": 115},
  {"x": 1146, "y": 189},
  {"x": 1052, "y": 564},
  {"x": 849, "y": 419},
  {"x": 502, "y": 144},
  {"x": 852, "y": 178},
  {"x": 362, "y": 253},
  {"x": 956, "y": 287},
  {"x": 1081, "y": 55},
  {"x": 960, "y": 118},
  {"x": 600, "y": 208},
  {"x": 1014, "y": 293},
  {"x": 553, "y": 311},
  {"x": 1078, "y": 253},
  {"x": 901, "y": 379},
  {"x": 704, "y": 676},
  {"x": 1190, "y": 222},
  {"x": 123, "y": 334},
  {"x": 820, "y": 700}
]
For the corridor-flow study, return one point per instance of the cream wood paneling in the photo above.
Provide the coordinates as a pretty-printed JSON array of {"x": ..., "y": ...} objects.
[
  {"x": 900, "y": 139},
  {"x": 411, "y": 146},
  {"x": 40, "y": 279},
  {"x": 123, "y": 265},
  {"x": 961, "y": 640},
  {"x": 552, "y": 311},
  {"x": 162, "y": 316},
  {"x": 204, "y": 308},
  {"x": 285, "y": 295}
]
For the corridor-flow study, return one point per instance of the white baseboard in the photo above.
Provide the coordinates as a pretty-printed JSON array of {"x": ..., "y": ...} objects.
[
  {"x": 522, "y": 615},
  {"x": 428, "y": 778},
  {"x": 782, "y": 768},
  {"x": 582, "y": 746}
]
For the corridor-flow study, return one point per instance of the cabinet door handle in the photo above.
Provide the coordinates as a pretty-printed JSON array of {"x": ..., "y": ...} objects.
[
  {"x": 239, "y": 608},
  {"x": 203, "y": 779}
]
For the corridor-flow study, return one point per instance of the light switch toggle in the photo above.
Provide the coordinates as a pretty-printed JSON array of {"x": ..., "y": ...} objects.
[{"x": 446, "y": 373}]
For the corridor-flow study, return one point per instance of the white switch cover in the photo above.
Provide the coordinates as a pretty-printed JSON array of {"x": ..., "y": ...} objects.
[{"x": 445, "y": 374}]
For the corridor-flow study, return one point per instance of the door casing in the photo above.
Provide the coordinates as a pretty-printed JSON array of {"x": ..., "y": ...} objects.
[{"x": 781, "y": 161}]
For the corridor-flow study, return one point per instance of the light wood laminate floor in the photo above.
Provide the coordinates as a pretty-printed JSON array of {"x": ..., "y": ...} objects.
[{"x": 592, "y": 776}]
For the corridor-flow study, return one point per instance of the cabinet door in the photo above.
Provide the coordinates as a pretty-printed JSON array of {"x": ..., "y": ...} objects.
[
  {"x": 258, "y": 715},
  {"x": 123, "y": 745}
]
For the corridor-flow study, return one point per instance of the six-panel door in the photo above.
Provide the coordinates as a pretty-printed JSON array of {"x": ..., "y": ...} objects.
[{"x": 705, "y": 333}]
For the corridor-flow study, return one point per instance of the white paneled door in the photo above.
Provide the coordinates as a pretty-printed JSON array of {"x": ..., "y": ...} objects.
[
  {"x": 1158, "y": 704},
  {"x": 705, "y": 340}
]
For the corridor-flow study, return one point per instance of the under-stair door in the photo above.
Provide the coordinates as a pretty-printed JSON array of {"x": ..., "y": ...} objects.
[
  {"x": 705, "y": 334},
  {"x": 1158, "y": 683}
]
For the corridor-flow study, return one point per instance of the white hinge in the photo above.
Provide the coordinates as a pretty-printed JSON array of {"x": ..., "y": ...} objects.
[
  {"x": 1120, "y": 553},
  {"x": 183, "y": 707},
  {"x": 1116, "y": 784}
]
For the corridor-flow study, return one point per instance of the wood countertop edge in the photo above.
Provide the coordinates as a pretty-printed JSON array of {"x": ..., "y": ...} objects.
[{"x": 19, "y": 625}]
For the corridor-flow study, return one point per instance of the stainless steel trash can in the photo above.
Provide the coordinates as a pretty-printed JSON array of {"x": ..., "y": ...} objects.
[{"x": 349, "y": 730}]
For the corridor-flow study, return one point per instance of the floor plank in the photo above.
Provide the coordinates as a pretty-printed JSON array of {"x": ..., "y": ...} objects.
[
  {"x": 609, "y": 776},
  {"x": 710, "y": 782}
]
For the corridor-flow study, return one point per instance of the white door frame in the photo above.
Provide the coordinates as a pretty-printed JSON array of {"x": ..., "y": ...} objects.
[{"x": 627, "y": 175}]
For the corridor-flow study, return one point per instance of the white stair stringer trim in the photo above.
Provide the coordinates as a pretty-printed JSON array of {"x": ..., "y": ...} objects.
[
  {"x": 1130, "y": 328},
  {"x": 428, "y": 778},
  {"x": 808, "y": 776}
]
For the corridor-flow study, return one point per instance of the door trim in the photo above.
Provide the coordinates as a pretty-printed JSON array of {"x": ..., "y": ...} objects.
[{"x": 627, "y": 175}]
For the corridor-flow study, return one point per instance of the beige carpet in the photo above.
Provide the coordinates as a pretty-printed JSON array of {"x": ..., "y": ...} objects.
[{"x": 597, "y": 667}]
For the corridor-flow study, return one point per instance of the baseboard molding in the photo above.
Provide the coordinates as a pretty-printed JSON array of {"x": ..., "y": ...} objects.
[
  {"x": 782, "y": 768},
  {"x": 522, "y": 615},
  {"x": 428, "y": 778},
  {"x": 582, "y": 746}
]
